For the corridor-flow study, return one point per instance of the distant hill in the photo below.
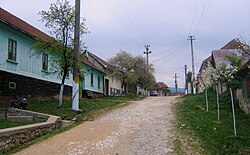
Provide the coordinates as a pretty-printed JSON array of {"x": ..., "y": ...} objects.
[{"x": 181, "y": 90}]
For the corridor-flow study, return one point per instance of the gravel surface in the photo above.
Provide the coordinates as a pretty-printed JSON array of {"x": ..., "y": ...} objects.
[{"x": 142, "y": 128}]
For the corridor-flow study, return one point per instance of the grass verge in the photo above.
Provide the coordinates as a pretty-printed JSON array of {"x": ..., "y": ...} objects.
[
  {"x": 214, "y": 137},
  {"x": 87, "y": 106},
  {"x": 9, "y": 124}
]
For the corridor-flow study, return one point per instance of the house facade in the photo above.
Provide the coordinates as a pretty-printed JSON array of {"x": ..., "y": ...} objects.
[
  {"x": 94, "y": 73},
  {"x": 162, "y": 89},
  {"x": 115, "y": 86},
  {"x": 111, "y": 85},
  {"x": 202, "y": 77},
  {"x": 23, "y": 71}
]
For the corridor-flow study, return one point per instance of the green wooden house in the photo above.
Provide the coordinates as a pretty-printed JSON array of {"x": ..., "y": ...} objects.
[
  {"x": 94, "y": 74},
  {"x": 22, "y": 70}
]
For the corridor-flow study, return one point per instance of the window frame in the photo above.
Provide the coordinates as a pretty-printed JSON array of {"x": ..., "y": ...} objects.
[
  {"x": 45, "y": 62},
  {"x": 99, "y": 82},
  {"x": 12, "y": 50},
  {"x": 92, "y": 79}
]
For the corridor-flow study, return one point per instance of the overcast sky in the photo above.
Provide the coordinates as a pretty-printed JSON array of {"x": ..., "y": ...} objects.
[{"x": 128, "y": 25}]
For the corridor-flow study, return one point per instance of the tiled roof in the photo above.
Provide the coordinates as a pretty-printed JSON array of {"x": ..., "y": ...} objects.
[
  {"x": 221, "y": 56},
  {"x": 21, "y": 25},
  {"x": 205, "y": 63},
  {"x": 99, "y": 59},
  {"x": 208, "y": 59},
  {"x": 233, "y": 44},
  {"x": 162, "y": 85},
  {"x": 84, "y": 59}
]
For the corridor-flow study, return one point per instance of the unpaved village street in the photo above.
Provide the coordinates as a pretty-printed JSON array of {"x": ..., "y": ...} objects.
[{"x": 141, "y": 128}]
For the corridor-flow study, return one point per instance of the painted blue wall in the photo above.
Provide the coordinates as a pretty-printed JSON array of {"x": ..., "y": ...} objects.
[
  {"x": 28, "y": 62},
  {"x": 86, "y": 81}
]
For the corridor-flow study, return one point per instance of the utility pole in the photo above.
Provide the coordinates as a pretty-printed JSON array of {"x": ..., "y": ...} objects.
[
  {"x": 75, "y": 91},
  {"x": 186, "y": 83},
  {"x": 191, "y": 38},
  {"x": 147, "y": 52},
  {"x": 176, "y": 83}
]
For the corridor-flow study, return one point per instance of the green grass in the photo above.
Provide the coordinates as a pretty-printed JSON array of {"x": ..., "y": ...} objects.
[
  {"x": 216, "y": 138},
  {"x": 8, "y": 124},
  {"x": 87, "y": 106}
]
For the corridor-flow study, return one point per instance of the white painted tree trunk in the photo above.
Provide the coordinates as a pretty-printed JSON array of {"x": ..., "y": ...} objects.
[
  {"x": 218, "y": 104},
  {"x": 206, "y": 99},
  {"x": 61, "y": 95},
  {"x": 232, "y": 99}
]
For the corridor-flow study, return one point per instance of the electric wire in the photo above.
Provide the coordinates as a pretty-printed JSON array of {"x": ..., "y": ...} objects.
[
  {"x": 137, "y": 20},
  {"x": 202, "y": 16},
  {"x": 130, "y": 24},
  {"x": 118, "y": 15},
  {"x": 194, "y": 15}
]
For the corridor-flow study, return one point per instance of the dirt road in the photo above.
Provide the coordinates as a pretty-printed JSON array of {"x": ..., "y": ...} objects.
[{"x": 141, "y": 128}]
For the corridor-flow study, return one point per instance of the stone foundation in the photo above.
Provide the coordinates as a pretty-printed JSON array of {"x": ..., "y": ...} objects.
[{"x": 13, "y": 137}]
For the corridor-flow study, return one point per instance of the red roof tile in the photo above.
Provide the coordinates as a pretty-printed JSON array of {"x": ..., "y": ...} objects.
[
  {"x": 205, "y": 63},
  {"x": 162, "y": 85},
  {"x": 221, "y": 56},
  {"x": 21, "y": 25},
  {"x": 233, "y": 44},
  {"x": 87, "y": 62},
  {"x": 105, "y": 63}
]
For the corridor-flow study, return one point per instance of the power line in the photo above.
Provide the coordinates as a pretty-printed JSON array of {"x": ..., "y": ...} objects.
[
  {"x": 195, "y": 28},
  {"x": 202, "y": 16},
  {"x": 118, "y": 15},
  {"x": 129, "y": 23},
  {"x": 137, "y": 20},
  {"x": 195, "y": 9}
]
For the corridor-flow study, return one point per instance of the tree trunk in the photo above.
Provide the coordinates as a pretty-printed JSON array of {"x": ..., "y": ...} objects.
[
  {"x": 64, "y": 74},
  {"x": 61, "y": 95},
  {"x": 232, "y": 99},
  {"x": 62, "y": 89},
  {"x": 218, "y": 104},
  {"x": 206, "y": 99}
]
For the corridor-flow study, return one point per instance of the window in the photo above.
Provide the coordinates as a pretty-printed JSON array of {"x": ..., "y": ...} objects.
[
  {"x": 45, "y": 62},
  {"x": 12, "y": 50},
  {"x": 99, "y": 82},
  {"x": 91, "y": 79}
]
